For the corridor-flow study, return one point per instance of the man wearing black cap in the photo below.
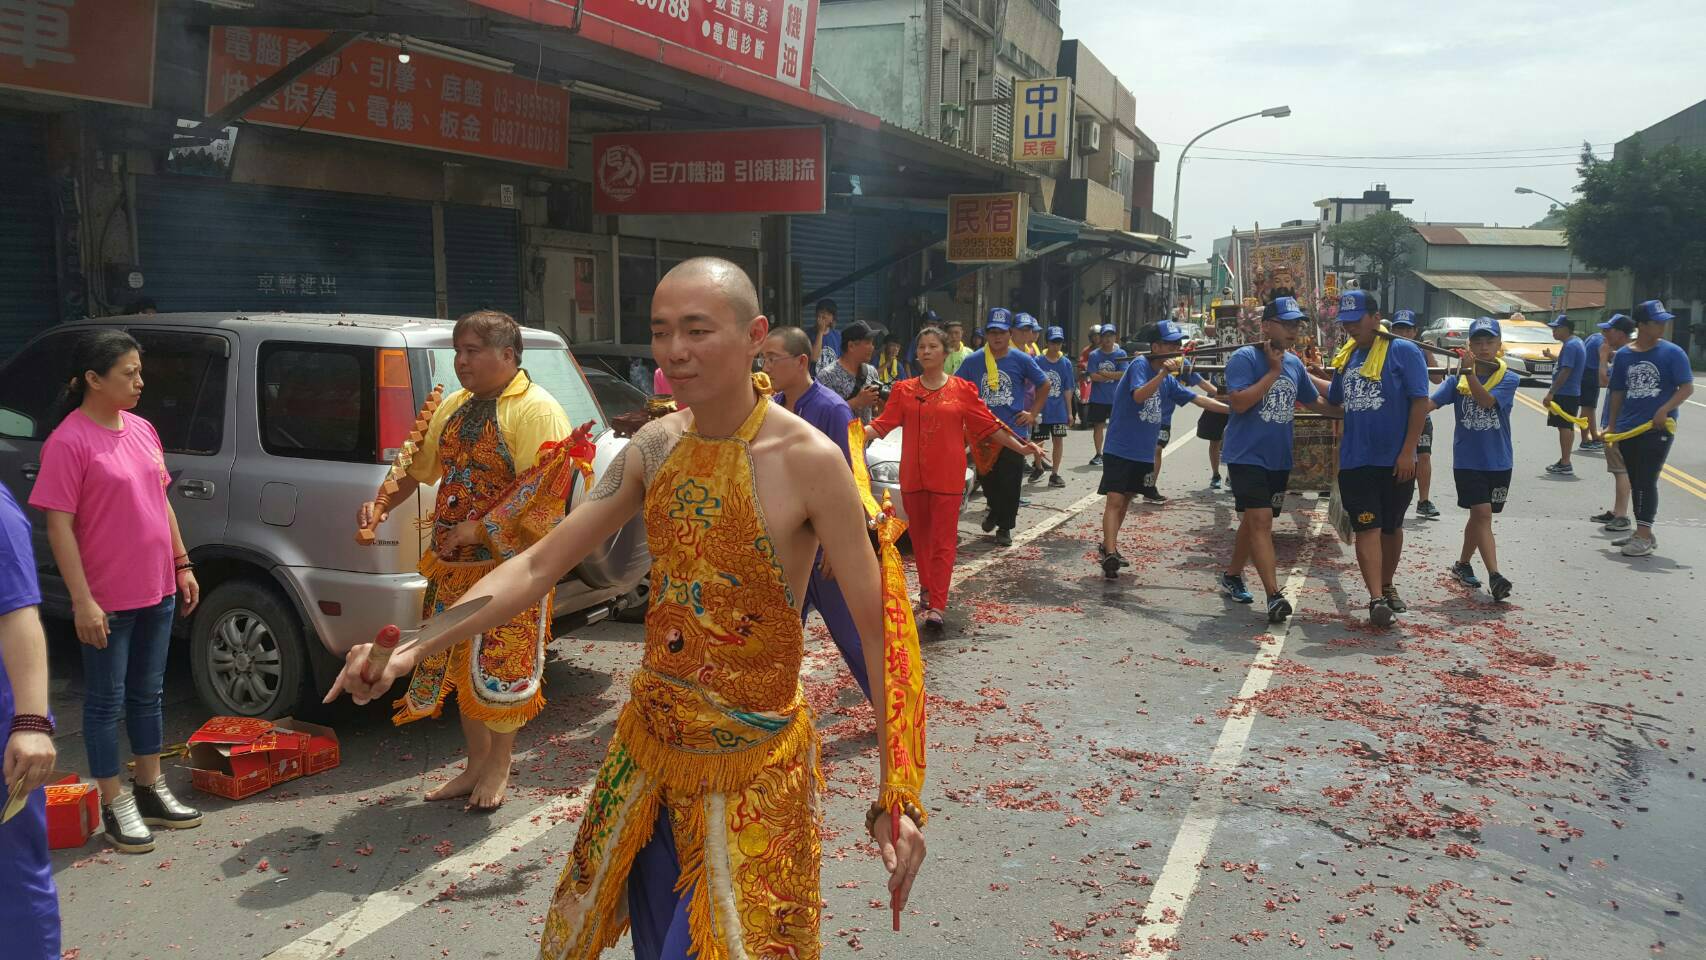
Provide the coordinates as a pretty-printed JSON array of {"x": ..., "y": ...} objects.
[
  {"x": 1564, "y": 398},
  {"x": 1650, "y": 381},
  {"x": 1618, "y": 332},
  {"x": 1380, "y": 387},
  {"x": 852, "y": 377}
]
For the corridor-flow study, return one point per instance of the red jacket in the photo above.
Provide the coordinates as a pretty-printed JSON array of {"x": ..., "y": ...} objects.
[{"x": 938, "y": 425}]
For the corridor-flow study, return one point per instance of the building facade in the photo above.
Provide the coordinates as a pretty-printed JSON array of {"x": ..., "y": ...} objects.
[{"x": 1470, "y": 270}]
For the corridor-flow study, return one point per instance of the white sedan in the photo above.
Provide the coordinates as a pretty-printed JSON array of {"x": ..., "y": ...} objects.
[{"x": 882, "y": 459}]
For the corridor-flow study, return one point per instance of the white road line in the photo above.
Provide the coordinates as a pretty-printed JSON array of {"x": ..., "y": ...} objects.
[
  {"x": 1179, "y": 877},
  {"x": 972, "y": 569},
  {"x": 386, "y": 907}
]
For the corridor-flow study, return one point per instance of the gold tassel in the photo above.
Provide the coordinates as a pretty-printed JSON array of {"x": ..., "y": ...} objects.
[{"x": 723, "y": 773}]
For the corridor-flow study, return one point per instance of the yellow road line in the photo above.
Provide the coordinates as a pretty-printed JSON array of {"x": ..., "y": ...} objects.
[{"x": 1681, "y": 478}]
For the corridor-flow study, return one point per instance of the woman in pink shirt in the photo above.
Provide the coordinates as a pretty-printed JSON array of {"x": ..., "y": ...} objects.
[{"x": 115, "y": 540}]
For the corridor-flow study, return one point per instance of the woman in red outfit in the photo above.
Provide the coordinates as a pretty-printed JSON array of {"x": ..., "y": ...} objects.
[{"x": 940, "y": 414}]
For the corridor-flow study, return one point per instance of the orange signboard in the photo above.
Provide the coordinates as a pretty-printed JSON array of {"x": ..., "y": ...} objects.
[
  {"x": 364, "y": 92},
  {"x": 987, "y": 227},
  {"x": 79, "y": 48}
]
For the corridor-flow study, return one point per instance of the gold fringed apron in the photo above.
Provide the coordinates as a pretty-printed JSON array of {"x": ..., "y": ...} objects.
[{"x": 717, "y": 732}]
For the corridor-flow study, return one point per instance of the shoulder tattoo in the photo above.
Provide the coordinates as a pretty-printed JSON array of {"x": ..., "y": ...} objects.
[
  {"x": 612, "y": 479},
  {"x": 655, "y": 442}
]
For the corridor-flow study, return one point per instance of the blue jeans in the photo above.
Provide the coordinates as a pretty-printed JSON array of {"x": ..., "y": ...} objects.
[{"x": 125, "y": 679}]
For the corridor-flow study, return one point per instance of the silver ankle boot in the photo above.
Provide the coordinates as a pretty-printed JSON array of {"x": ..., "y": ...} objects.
[
  {"x": 124, "y": 826},
  {"x": 160, "y": 809}
]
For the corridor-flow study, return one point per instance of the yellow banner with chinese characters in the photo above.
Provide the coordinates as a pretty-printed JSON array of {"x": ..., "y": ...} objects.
[
  {"x": 987, "y": 227},
  {"x": 903, "y": 661}
]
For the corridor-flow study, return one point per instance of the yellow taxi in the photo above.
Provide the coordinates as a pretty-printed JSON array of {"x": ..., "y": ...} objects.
[{"x": 1530, "y": 351}]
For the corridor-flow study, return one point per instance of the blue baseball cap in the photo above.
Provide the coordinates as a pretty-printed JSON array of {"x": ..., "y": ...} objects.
[
  {"x": 1404, "y": 318},
  {"x": 1025, "y": 321},
  {"x": 1653, "y": 311},
  {"x": 933, "y": 316},
  {"x": 1284, "y": 309},
  {"x": 1056, "y": 333},
  {"x": 1484, "y": 327},
  {"x": 1000, "y": 318},
  {"x": 1355, "y": 304},
  {"x": 1619, "y": 321},
  {"x": 1167, "y": 331},
  {"x": 1101, "y": 328},
  {"x": 1561, "y": 320}
]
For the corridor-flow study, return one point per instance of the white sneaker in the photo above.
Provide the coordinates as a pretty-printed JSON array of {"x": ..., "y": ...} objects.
[
  {"x": 1637, "y": 547},
  {"x": 1622, "y": 541}
]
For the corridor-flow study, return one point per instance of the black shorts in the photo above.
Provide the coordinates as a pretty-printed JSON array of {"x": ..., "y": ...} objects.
[
  {"x": 1569, "y": 405},
  {"x": 1044, "y": 431},
  {"x": 1097, "y": 413},
  {"x": 1211, "y": 425},
  {"x": 1130, "y": 477},
  {"x": 1374, "y": 499},
  {"x": 1257, "y": 488},
  {"x": 1164, "y": 437},
  {"x": 1426, "y": 444},
  {"x": 1475, "y": 487},
  {"x": 1590, "y": 395}
]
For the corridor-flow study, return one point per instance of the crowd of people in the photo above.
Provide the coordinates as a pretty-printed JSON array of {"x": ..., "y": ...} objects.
[{"x": 717, "y": 710}]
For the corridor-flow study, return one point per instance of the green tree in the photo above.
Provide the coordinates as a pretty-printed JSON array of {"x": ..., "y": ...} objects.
[
  {"x": 1383, "y": 239},
  {"x": 1645, "y": 213}
]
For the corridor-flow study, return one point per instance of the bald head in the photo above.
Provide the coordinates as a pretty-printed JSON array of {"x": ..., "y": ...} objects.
[{"x": 727, "y": 279}]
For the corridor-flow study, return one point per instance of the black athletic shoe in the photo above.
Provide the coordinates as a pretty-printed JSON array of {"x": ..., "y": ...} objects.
[
  {"x": 1214, "y": 482},
  {"x": 1056, "y": 480},
  {"x": 1380, "y": 612},
  {"x": 1096, "y": 460},
  {"x": 1154, "y": 498},
  {"x": 1035, "y": 475},
  {"x": 1605, "y": 517},
  {"x": 1465, "y": 575},
  {"x": 1427, "y": 510},
  {"x": 1396, "y": 602},
  {"x": 1279, "y": 609},
  {"x": 988, "y": 522},
  {"x": 1003, "y": 537},
  {"x": 1234, "y": 589},
  {"x": 1499, "y": 585},
  {"x": 1111, "y": 564}
]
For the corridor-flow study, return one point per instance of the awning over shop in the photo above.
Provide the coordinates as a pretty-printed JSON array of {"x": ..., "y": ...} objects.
[{"x": 1527, "y": 292}]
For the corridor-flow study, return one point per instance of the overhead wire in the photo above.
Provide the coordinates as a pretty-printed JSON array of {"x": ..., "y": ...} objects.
[{"x": 1570, "y": 150}]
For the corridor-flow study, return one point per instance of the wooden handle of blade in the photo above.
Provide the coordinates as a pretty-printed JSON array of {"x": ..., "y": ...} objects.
[{"x": 379, "y": 654}]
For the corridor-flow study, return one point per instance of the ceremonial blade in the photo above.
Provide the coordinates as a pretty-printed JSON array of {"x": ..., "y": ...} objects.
[{"x": 440, "y": 624}]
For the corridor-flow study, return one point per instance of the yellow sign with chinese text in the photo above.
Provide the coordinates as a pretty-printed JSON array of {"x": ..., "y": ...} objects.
[
  {"x": 1042, "y": 120},
  {"x": 987, "y": 227}
]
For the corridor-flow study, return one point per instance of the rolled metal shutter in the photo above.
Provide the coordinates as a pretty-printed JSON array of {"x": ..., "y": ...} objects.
[
  {"x": 826, "y": 248},
  {"x": 29, "y": 286},
  {"x": 482, "y": 253},
  {"x": 209, "y": 245},
  {"x": 873, "y": 243}
]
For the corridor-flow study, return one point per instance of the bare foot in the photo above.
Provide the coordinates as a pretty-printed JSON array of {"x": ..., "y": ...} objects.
[
  {"x": 461, "y": 786},
  {"x": 489, "y": 792}
]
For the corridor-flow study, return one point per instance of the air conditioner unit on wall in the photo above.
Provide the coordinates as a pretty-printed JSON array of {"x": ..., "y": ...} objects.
[{"x": 1089, "y": 137}]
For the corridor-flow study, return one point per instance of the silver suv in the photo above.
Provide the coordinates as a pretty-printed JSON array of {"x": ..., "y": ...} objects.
[{"x": 276, "y": 427}]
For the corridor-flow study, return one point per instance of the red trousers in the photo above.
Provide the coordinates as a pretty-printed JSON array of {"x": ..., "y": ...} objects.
[{"x": 933, "y": 522}]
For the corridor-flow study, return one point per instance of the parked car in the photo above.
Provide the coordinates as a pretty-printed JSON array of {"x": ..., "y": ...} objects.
[
  {"x": 882, "y": 461},
  {"x": 1447, "y": 332},
  {"x": 276, "y": 427},
  {"x": 1530, "y": 351},
  {"x": 616, "y": 396}
]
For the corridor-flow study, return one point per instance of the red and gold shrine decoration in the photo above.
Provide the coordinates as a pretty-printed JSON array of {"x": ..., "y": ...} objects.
[
  {"x": 365, "y": 93},
  {"x": 88, "y": 49},
  {"x": 987, "y": 227},
  {"x": 772, "y": 38},
  {"x": 761, "y": 170},
  {"x": 903, "y": 662}
]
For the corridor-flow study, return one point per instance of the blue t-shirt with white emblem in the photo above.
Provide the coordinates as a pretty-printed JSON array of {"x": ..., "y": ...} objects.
[
  {"x": 1261, "y": 436},
  {"x": 1135, "y": 428},
  {"x": 1102, "y": 391},
  {"x": 1060, "y": 383},
  {"x": 1590, "y": 347},
  {"x": 1481, "y": 439},
  {"x": 1377, "y": 412},
  {"x": 1574, "y": 355},
  {"x": 1016, "y": 370},
  {"x": 1648, "y": 379}
]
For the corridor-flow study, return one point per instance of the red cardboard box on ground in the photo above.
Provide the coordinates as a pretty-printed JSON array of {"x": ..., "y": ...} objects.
[
  {"x": 73, "y": 812},
  {"x": 237, "y": 757}
]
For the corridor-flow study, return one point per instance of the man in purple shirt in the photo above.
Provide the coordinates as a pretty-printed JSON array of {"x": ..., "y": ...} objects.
[
  {"x": 29, "y": 905},
  {"x": 787, "y": 360}
]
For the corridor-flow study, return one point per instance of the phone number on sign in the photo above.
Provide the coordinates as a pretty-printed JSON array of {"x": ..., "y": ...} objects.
[
  {"x": 510, "y": 133},
  {"x": 676, "y": 9}
]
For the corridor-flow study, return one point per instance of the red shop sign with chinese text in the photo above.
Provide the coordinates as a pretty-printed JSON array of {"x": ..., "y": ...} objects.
[
  {"x": 764, "y": 170},
  {"x": 363, "y": 92},
  {"x": 79, "y": 48},
  {"x": 768, "y": 37}
]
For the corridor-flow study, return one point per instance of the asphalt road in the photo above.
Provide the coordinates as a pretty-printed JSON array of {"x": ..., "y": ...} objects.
[{"x": 1128, "y": 768}]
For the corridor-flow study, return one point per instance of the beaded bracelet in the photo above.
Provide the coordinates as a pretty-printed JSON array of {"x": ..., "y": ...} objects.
[
  {"x": 908, "y": 810},
  {"x": 32, "y": 723},
  {"x": 185, "y": 566}
]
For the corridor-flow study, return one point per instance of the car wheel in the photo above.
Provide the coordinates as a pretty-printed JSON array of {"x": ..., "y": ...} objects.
[{"x": 246, "y": 652}]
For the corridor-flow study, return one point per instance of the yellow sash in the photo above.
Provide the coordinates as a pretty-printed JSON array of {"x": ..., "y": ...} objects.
[
  {"x": 1579, "y": 422},
  {"x": 903, "y": 673},
  {"x": 1372, "y": 364},
  {"x": 1630, "y": 434},
  {"x": 1489, "y": 383},
  {"x": 992, "y": 373}
]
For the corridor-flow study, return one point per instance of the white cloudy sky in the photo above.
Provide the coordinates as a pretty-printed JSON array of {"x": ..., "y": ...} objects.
[{"x": 1390, "y": 79}]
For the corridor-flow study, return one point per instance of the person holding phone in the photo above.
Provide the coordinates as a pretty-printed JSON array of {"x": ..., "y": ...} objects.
[{"x": 852, "y": 377}]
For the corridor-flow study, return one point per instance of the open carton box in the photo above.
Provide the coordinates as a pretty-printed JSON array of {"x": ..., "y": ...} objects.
[
  {"x": 73, "y": 811},
  {"x": 237, "y": 757}
]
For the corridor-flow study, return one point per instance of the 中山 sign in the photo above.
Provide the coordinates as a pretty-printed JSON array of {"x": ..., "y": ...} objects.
[
  {"x": 763, "y": 170},
  {"x": 769, "y": 37},
  {"x": 1042, "y": 120},
  {"x": 987, "y": 227},
  {"x": 79, "y": 48},
  {"x": 364, "y": 92}
]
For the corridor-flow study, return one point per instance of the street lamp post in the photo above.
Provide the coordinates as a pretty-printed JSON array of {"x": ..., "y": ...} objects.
[
  {"x": 1570, "y": 258},
  {"x": 1179, "y": 174}
]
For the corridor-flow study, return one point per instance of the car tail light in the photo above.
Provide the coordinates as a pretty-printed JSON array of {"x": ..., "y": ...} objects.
[{"x": 396, "y": 409}]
